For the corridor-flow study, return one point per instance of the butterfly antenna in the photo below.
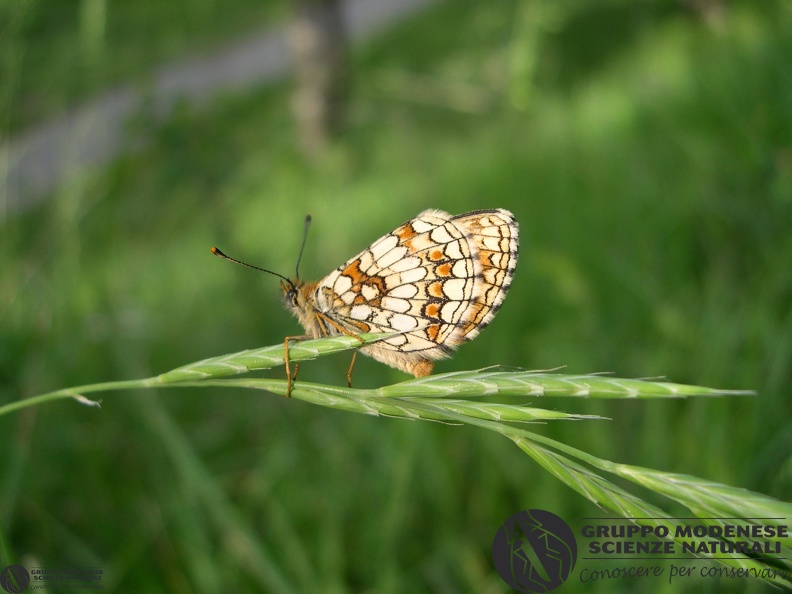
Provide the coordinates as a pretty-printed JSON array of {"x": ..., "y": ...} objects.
[
  {"x": 302, "y": 247},
  {"x": 217, "y": 252}
]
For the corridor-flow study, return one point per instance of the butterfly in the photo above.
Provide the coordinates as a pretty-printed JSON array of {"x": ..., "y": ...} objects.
[{"x": 435, "y": 281}]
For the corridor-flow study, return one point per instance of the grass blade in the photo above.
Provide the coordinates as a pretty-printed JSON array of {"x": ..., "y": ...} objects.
[{"x": 455, "y": 398}]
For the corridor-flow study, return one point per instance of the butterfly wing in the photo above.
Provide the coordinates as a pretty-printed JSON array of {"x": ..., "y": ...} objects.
[
  {"x": 437, "y": 280},
  {"x": 493, "y": 237}
]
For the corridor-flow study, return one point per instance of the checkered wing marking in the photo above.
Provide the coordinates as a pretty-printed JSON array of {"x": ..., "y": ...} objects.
[
  {"x": 437, "y": 279},
  {"x": 494, "y": 239}
]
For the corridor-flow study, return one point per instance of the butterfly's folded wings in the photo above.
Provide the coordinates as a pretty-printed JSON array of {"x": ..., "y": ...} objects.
[{"x": 437, "y": 279}]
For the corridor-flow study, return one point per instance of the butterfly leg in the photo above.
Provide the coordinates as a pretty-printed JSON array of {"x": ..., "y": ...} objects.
[
  {"x": 291, "y": 377},
  {"x": 351, "y": 365},
  {"x": 341, "y": 330}
]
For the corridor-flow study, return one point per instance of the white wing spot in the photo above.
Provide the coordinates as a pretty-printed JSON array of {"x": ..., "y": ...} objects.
[
  {"x": 441, "y": 235},
  {"x": 454, "y": 250},
  {"x": 382, "y": 247},
  {"x": 407, "y": 291},
  {"x": 411, "y": 276},
  {"x": 403, "y": 323},
  {"x": 462, "y": 268},
  {"x": 406, "y": 264},
  {"x": 397, "y": 305},
  {"x": 360, "y": 312},
  {"x": 492, "y": 243},
  {"x": 393, "y": 256},
  {"x": 422, "y": 226},
  {"x": 449, "y": 310},
  {"x": 369, "y": 292},
  {"x": 342, "y": 284},
  {"x": 455, "y": 288}
]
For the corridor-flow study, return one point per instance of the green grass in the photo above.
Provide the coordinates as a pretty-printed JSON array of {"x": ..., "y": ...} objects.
[
  {"x": 464, "y": 398},
  {"x": 651, "y": 175},
  {"x": 54, "y": 54}
]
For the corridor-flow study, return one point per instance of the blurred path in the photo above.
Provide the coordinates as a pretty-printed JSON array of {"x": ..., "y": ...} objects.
[{"x": 92, "y": 134}]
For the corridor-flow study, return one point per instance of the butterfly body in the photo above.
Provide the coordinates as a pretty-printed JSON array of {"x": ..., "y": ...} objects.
[{"x": 436, "y": 281}]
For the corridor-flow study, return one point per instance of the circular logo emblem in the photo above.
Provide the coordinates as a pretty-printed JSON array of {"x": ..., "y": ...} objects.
[
  {"x": 14, "y": 579},
  {"x": 534, "y": 551}
]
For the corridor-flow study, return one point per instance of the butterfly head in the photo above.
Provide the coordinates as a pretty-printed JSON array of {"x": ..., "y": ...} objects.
[
  {"x": 291, "y": 294},
  {"x": 298, "y": 299}
]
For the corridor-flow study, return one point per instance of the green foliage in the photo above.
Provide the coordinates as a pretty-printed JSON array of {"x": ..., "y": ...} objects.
[
  {"x": 437, "y": 398},
  {"x": 56, "y": 53},
  {"x": 650, "y": 171}
]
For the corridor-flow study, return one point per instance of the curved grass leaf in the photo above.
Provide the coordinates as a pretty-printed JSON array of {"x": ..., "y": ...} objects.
[
  {"x": 520, "y": 382},
  {"x": 458, "y": 398},
  {"x": 265, "y": 357}
]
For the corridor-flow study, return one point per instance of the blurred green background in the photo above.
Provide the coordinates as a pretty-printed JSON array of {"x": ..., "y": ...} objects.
[{"x": 644, "y": 147}]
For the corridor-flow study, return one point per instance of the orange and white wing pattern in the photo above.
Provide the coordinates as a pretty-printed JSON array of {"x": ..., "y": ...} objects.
[{"x": 437, "y": 280}]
